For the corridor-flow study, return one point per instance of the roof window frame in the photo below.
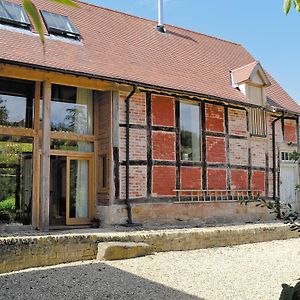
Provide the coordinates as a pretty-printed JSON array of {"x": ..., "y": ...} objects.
[
  {"x": 13, "y": 22},
  {"x": 59, "y": 32}
]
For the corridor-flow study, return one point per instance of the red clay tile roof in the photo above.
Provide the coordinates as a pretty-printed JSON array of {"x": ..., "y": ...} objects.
[{"x": 119, "y": 46}]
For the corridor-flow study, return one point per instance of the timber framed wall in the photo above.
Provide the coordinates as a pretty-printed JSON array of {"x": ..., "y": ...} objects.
[{"x": 230, "y": 157}]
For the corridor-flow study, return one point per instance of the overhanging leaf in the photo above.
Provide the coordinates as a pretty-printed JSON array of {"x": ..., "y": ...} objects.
[
  {"x": 287, "y": 6},
  {"x": 66, "y": 2},
  {"x": 32, "y": 11}
]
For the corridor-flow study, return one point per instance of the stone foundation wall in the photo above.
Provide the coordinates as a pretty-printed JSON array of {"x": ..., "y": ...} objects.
[{"x": 17, "y": 253}]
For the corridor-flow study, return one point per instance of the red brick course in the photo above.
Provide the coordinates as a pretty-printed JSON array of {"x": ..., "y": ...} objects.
[
  {"x": 163, "y": 111},
  {"x": 258, "y": 180},
  {"x": 290, "y": 132},
  {"x": 237, "y": 121},
  {"x": 214, "y": 117},
  {"x": 137, "y": 108},
  {"x": 164, "y": 180},
  {"x": 190, "y": 178},
  {"x": 215, "y": 150},
  {"x": 216, "y": 179},
  {"x": 163, "y": 145},
  {"x": 239, "y": 179}
]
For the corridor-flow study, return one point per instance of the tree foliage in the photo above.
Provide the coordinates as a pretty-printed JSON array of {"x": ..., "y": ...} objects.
[{"x": 289, "y": 3}]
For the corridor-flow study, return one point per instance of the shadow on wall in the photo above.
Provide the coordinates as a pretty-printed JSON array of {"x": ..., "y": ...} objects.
[{"x": 92, "y": 281}]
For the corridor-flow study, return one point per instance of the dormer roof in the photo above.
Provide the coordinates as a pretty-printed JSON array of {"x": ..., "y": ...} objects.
[{"x": 252, "y": 73}]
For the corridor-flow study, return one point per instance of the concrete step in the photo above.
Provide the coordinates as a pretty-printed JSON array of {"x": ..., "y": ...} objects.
[{"x": 122, "y": 250}]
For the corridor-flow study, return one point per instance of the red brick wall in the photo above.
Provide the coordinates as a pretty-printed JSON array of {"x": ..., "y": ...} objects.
[
  {"x": 258, "y": 180},
  {"x": 238, "y": 152},
  {"x": 163, "y": 111},
  {"x": 215, "y": 150},
  {"x": 137, "y": 182},
  {"x": 164, "y": 180},
  {"x": 214, "y": 117},
  {"x": 190, "y": 178},
  {"x": 290, "y": 133},
  {"x": 137, "y": 108},
  {"x": 239, "y": 179},
  {"x": 216, "y": 179},
  {"x": 258, "y": 152},
  {"x": 237, "y": 122},
  {"x": 163, "y": 145},
  {"x": 137, "y": 144}
]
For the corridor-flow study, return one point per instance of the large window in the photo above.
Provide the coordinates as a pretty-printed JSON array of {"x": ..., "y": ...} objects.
[
  {"x": 72, "y": 109},
  {"x": 190, "y": 131},
  {"x": 16, "y": 103},
  {"x": 15, "y": 179}
]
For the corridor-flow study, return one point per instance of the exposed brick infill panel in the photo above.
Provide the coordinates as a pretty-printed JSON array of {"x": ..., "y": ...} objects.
[
  {"x": 290, "y": 131},
  {"x": 163, "y": 111},
  {"x": 190, "y": 178},
  {"x": 258, "y": 152},
  {"x": 137, "y": 109},
  {"x": 237, "y": 120},
  {"x": 214, "y": 118},
  {"x": 215, "y": 150},
  {"x": 238, "y": 152},
  {"x": 239, "y": 179},
  {"x": 137, "y": 182},
  {"x": 137, "y": 144},
  {"x": 216, "y": 179},
  {"x": 258, "y": 180},
  {"x": 164, "y": 180},
  {"x": 163, "y": 145}
]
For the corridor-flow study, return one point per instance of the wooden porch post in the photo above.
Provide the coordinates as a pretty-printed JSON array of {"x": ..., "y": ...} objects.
[
  {"x": 45, "y": 159},
  {"x": 36, "y": 158}
]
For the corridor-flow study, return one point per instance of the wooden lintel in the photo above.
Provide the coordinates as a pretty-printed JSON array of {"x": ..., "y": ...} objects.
[
  {"x": 69, "y": 136},
  {"x": 25, "y": 73}
]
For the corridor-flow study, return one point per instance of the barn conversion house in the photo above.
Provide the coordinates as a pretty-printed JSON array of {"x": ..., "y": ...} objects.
[{"x": 115, "y": 119}]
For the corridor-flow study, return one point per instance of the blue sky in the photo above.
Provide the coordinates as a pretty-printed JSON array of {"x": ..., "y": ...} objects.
[{"x": 259, "y": 25}]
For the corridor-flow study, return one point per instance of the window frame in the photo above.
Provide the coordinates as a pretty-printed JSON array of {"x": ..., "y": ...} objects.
[
  {"x": 57, "y": 31},
  {"x": 13, "y": 22},
  {"x": 197, "y": 104}
]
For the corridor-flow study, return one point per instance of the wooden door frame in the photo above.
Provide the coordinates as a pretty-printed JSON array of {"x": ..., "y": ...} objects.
[{"x": 71, "y": 155}]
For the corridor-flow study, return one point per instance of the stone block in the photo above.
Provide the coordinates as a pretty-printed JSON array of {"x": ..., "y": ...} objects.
[{"x": 122, "y": 250}]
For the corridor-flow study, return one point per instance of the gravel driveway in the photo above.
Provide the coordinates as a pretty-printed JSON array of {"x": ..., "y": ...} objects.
[{"x": 253, "y": 271}]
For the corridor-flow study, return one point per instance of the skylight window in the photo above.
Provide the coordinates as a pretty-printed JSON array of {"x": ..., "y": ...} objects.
[
  {"x": 13, "y": 14},
  {"x": 59, "y": 25}
]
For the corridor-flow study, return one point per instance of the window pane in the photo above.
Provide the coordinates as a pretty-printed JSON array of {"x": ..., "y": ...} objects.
[
  {"x": 15, "y": 179},
  {"x": 16, "y": 104},
  {"x": 72, "y": 110},
  {"x": 13, "y": 14},
  {"x": 190, "y": 131},
  {"x": 59, "y": 24},
  {"x": 72, "y": 146},
  {"x": 79, "y": 189}
]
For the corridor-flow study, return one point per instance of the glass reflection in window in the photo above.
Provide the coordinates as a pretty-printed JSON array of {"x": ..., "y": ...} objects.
[
  {"x": 72, "y": 109},
  {"x": 16, "y": 103},
  {"x": 190, "y": 131}
]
